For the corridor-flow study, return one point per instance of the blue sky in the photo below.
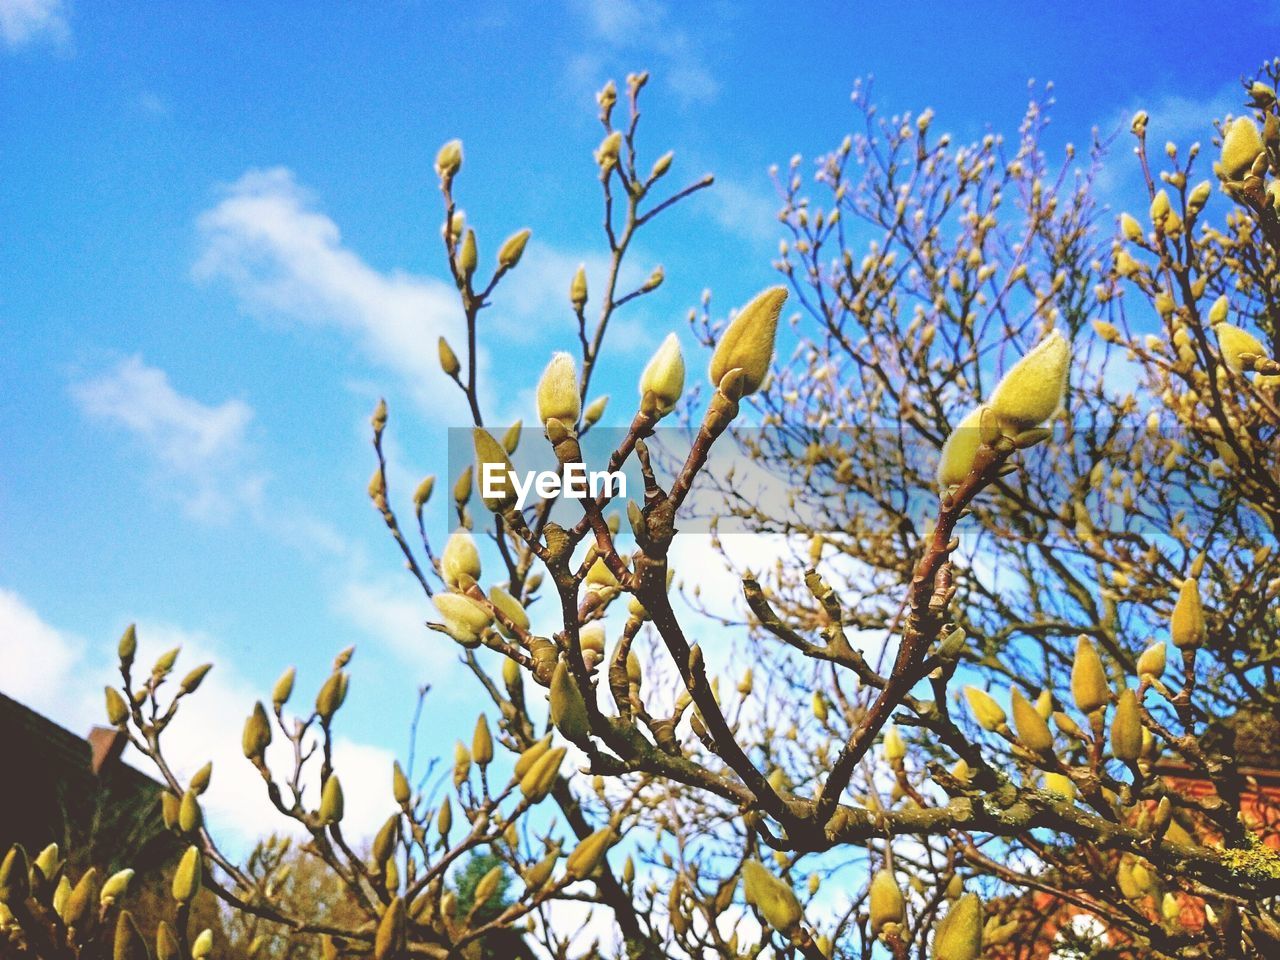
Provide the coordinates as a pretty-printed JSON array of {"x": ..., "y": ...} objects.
[{"x": 219, "y": 245}]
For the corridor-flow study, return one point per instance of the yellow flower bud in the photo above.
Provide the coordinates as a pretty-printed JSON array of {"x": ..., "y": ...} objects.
[
  {"x": 1060, "y": 785},
  {"x": 578, "y": 288},
  {"x": 960, "y": 450},
  {"x": 257, "y": 733},
  {"x": 887, "y": 904},
  {"x": 607, "y": 153},
  {"x": 588, "y": 854},
  {"x": 448, "y": 359},
  {"x": 449, "y": 159},
  {"x": 117, "y": 709},
  {"x": 894, "y": 747},
  {"x": 1218, "y": 312},
  {"x": 541, "y": 777},
  {"x": 389, "y": 941},
  {"x": 536, "y": 877},
  {"x": 512, "y": 249},
  {"x": 1126, "y": 727},
  {"x": 115, "y": 887},
  {"x": 662, "y": 383},
  {"x": 464, "y": 617},
  {"x": 399, "y": 783},
  {"x": 558, "y": 397},
  {"x": 989, "y": 714},
  {"x": 1033, "y": 731},
  {"x": 1235, "y": 344},
  {"x": 1199, "y": 196},
  {"x": 482, "y": 743},
  {"x": 468, "y": 256},
  {"x": 773, "y": 897},
  {"x": 189, "y": 816},
  {"x": 1152, "y": 661},
  {"x": 202, "y": 946},
  {"x": 1088, "y": 678},
  {"x": 595, "y": 410},
  {"x": 1032, "y": 390},
  {"x": 1159, "y": 207},
  {"x": 186, "y": 879},
  {"x": 510, "y": 608},
  {"x": 747, "y": 343},
  {"x": 460, "y": 559},
  {"x": 128, "y": 943},
  {"x": 1241, "y": 145},
  {"x": 959, "y": 934},
  {"x": 568, "y": 709},
  {"x": 1130, "y": 227},
  {"x": 493, "y": 468},
  {"x": 1187, "y": 623},
  {"x": 526, "y": 760}
]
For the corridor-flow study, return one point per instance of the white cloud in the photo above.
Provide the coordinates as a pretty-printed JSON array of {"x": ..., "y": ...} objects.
[
  {"x": 26, "y": 21},
  {"x": 746, "y": 211},
  {"x": 200, "y": 446},
  {"x": 39, "y": 662},
  {"x": 631, "y": 28},
  {"x": 282, "y": 256}
]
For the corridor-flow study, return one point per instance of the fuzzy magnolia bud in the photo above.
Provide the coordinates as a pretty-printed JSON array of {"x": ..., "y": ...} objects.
[
  {"x": 578, "y": 288},
  {"x": 989, "y": 714},
  {"x": 960, "y": 450},
  {"x": 774, "y": 898},
  {"x": 558, "y": 397},
  {"x": 959, "y": 935},
  {"x": 202, "y": 946},
  {"x": 662, "y": 383},
  {"x": 465, "y": 618},
  {"x": 541, "y": 776},
  {"x": 487, "y": 885},
  {"x": 117, "y": 709},
  {"x": 512, "y": 249},
  {"x": 595, "y": 410},
  {"x": 1241, "y": 145},
  {"x": 1126, "y": 727},
  {"x": 1031, "y": 391},
  {"x": 257, "y": 733},
  {"x": 588, "y": 854},
  {"x": 1187, "y": 623},
  {"x": 1130, "y": 227},
  {"x": 895, "y": 750},
  {"x": 747, "y": 343},
  {"x": 568, "y": 709},
  {"x": 1088, "y": 678},
  {"x": 510, "y": 608},
  {"x": 887, "y": 904},
  {"x": 1236, "y": 344},
  {"x": 399, "y": 784},
  {"x": 493, "y": 467},
  {"x": 607, "y": 152},
  {"x": 115, "y": 887},
  {"x": 128, "y": 943},
  {"x": 460, "y": 559},
  {"x": 535, "y": 877},
  {"x": 482, "y": 742},
  {"x": 332, "y": 804},
  {"x": 1033, "y": 731},
  {"x": 186, "y": 879},
  {"x": 389, "y": 941},
  {"x": 189, "y": 815},
  {"x": 449, "y": 160},
  {"x": 448, "y": 359},
  {"x": 1152, "y": 661}
]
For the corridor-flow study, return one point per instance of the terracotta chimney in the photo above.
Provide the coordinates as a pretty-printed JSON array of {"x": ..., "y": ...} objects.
[{"x": 105, "y": 745}]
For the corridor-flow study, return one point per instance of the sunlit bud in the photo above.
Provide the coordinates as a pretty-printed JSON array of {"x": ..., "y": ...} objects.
[
  {"x": 1241, "y": 145},
  {"x": 1033, "y": 731},
  {"x": 588, "y": 854},
  {"x": 959, "y": 934},
  {"x": 1130, "y": 227},
  {"x": 385, "y": 842},
  {"x": 117, "y": 708},
  {"x": 202, "y": 946},
  {"x": 773, "y": 897},
  {"x": 465, "y": 618},
  {"x": 449, "y": 160},
  {"x": 1060, "y": 785},
  {"x": 1107, "y": 331},
  {"x": 332, "y": 693},
  {"x": 189, "y": 817},
  {"x": 1236, "y": 344},
  {"x": 1139, "y": 123},
  {"x": 962, "y": 771},
  {"x": 461, "y": 763},
  {"x": 167, "y": 947},
  {"x": 541, "y": 776},
  {"x": 128, "y": 645},
  {"x": 526, "y": 760},
  {"x": 1032, "y": 389},
  {"x": 595, "y": 410},
  {"x": 389, "y": 941},
  {"x": 1159, "y": 207},
  {"x": 661, "y": 165},
  {"x": 887, "y": 904},
  {"x": 15, "y": 876},
  {"x": 257, "y": 733},
  {"x": 76, "y": 909},
  {"x": 894, "y": 747},
  {"x": 512, "y": 249},
  {"x": 578, "y": 288},
  {"x": 1088, "y": 678},
  {"x": 331, "y": 801},
  {"x": 460, "y": 559},
  {"x": 1126, "y": 266},
  {"x": 654, "y": 280},
  {"x": 510, "y": 608},
  {"x": 989, "y": 714},
  {"x": 1218, "y": 312},
  {"x": 1126, "y": 727},
  {"x": 568, "y": 709},
  {"x": 960, "y": 450},
  {"x": 662, "y": 383},
  {"x": 1152, "y": 661},
  {"x": 747, "y": 343},
  {"x": 536, "y": 877},
  {"x": 468, "y": 256},
  {"x": 1170, "y": 909},
  {"x": 399, "y": 784},
  {"x": 448, "y": 359},
  {"x": 558, "y": 391},
  {"x": 482, "y": 742},
  {"x": 186, "y": 879},
  {"x": 1199, "y": 196},
  {"x": 444, "y": 818},
  {"x": 493, "y": 467},
  {"x": 607, "y": 153},
  {"x": 1261, "y": 95},
  {"x": 1187, "y": 624}
]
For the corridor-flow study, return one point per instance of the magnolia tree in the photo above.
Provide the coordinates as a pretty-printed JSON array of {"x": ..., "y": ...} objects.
[{"x": 1022, "y": 452}]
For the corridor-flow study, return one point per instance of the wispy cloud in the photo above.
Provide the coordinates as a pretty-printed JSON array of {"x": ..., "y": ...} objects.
[
  {"x": 27, "y": 21},
  {"x": 199, "y": 449},
  {"x": 628, "y": 29}
]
